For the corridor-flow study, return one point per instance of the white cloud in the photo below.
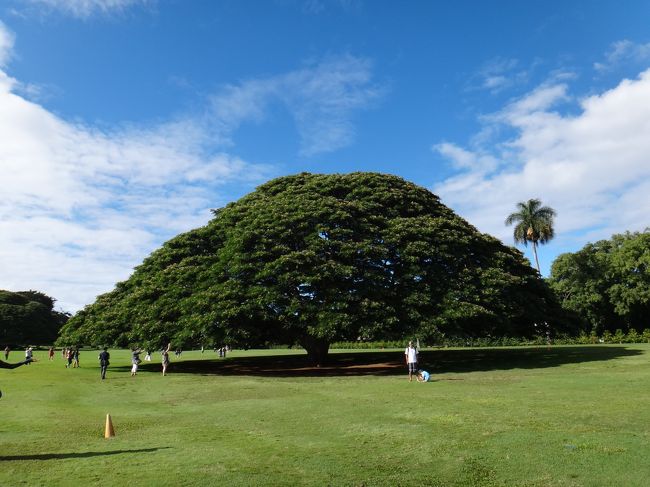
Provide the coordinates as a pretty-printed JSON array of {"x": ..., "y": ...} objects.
[
  {"x": 465, "y": 159},
  {"x": 81, "y": 206},
  {"x": 623, "y": 51},
  {"x": 321, "y": 98},
  {"x": 592, "y": 167},
  {"x": 87, "y": 8}
]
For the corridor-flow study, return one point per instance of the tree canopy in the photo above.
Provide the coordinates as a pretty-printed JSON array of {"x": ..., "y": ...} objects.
[
  {"x": 28, "y": 317},
  {"x": 311, "y": 259},
  {"x": 607, "y": 283}
]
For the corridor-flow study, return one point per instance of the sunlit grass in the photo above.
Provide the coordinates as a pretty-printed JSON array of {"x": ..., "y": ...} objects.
[{"x": 536, "y": 417}]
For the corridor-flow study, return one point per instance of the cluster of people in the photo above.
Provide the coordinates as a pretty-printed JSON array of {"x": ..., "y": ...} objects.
[
  {"x": 71, "y": 355},
  {"x": 29, "y": 355},
  {"x": 104, "y": 360}
]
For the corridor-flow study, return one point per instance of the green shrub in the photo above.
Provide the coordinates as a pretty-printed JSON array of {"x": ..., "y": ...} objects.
[
  {"x": 646, "y": 335},
  {"x": 619, "y": 336},
  {"x": 633, "y": 336},
  {"x": 607, "y": 337}
]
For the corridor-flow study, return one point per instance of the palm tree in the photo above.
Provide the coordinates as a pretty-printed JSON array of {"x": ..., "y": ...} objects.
[{"x": 534, "y": 223}]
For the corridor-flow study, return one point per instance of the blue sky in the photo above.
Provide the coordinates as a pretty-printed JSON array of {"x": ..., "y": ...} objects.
[{"x": 122, "y": 122}]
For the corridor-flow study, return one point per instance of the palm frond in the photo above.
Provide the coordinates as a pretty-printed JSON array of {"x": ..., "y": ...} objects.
[{"x": 533, "y": 222}]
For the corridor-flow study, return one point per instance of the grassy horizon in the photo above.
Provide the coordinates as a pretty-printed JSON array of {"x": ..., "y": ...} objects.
[{"x": 564, "y": 416}]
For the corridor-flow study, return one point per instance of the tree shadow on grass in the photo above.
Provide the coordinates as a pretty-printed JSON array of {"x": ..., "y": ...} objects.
[
  {"x": 387, "y": 363},
  {"x": 86, "y": 454}
]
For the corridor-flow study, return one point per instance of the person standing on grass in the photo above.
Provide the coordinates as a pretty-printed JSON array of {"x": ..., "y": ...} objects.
[
  {"x": 135, "y": 360},
  {"x": 50, "y": 353},
  {"x": 28, "y": 355},
  {"x": 7, "y": 350},
  {"x": 165, "y": 358},
  {"x": 411, "y": 356},
  {"x": 104, "y": 361},
  {"x": 75, "y": 357}
]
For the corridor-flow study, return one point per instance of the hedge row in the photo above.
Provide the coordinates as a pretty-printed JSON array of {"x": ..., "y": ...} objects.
[{"x": 619, "y": 336}]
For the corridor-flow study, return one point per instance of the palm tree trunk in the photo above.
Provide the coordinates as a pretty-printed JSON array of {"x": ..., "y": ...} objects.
[{"x": 536, "y": 259}]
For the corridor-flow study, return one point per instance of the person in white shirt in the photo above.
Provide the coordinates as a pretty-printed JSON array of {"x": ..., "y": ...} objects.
[
  {"x": 411, "y": 355},
  {"x": 28, "y": 355}
]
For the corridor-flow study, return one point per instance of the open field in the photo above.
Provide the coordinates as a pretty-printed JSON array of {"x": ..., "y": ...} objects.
[{"x": 568, "y": 416}]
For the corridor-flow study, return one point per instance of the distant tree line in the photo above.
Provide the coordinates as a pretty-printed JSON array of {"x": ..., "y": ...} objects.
[
  {"x": 606, "y": 285},
  {"x": 28, "y": 317}
]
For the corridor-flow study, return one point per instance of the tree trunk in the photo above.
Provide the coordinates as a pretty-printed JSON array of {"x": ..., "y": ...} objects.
[
  {"x": 316, "y": 348},
  {"x": 536, "y": 260}
]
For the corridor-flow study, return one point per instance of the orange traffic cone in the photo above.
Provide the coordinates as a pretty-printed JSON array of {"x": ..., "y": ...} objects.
[{"x": 109, "y": 432}]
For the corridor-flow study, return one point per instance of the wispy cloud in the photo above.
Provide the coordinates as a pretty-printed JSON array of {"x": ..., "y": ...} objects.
[
  {"x": 82, "y": 205},
  {"x": 464, "y": 159},
  {"x": 498, "y": 75},
  {"x": 6, "y": 44},
  {"x": 622, "y": 52},
  {"x": 322, "y": 98},
  {"x": 86, "y": 8},
  {"x": 592, "y": 166}
]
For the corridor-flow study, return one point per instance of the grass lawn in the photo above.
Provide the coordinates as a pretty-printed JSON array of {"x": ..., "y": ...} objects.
[{"x": 566, "y": 416}]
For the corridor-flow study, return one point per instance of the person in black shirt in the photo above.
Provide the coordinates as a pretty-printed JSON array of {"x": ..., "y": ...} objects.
[
  {"x": 104, "y": 357},
  {"x": 135, "y": 360}
]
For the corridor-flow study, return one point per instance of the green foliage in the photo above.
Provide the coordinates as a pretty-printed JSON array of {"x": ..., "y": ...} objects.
[
  {"x": 28, "y": 317},
  {"x": 606, "y": 284},
  {"x": 619, "y": 336},
  {"x": 633, "y": 337},
  {"x": 607, "y": 337},
  {"x": 313, "y": 259},
  {"x": 376, "y": 345}
]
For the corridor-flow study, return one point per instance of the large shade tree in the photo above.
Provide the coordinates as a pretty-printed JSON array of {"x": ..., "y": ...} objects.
[
  {"x": 310, "y": 259},
  {"x": 533, "y": 223}
]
